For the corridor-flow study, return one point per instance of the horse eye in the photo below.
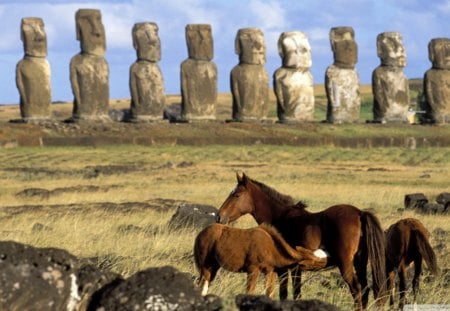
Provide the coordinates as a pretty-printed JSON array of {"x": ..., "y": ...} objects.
[{"x": 235, "y": 193}]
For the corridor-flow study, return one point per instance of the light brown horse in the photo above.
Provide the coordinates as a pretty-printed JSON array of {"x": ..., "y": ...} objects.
[
  {"x": 350, "y": 236},
  {"x": 254, "y": 251},
  {"x": 407, "y": 242}
]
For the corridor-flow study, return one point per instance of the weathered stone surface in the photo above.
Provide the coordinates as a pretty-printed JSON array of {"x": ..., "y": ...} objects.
[
  {"x": 390, "y": 86},
  {"x": 293, "y": 82},
  {"x": 444, "y": 198},
  {"x": 200, "y": 42},
  {"x": 46, "y": 279},
  {"x": 341, "y": 78},
  {"x": 193, "y": 215},
  {"x": 342, "y": 88},
  {"x": 33, "y": 72},
  {"x": 89, "y": 71},
  {"x": 163, "y": 288},
  {"x": 249, "y": 79},
  {"x": 146, "y": 41},
  {"x": 199, "y": 75},
  {"x": 432, "y": 208},
  {"x": 437, "y": 83},
  {"x": 415, "y": 200},
  {"x": 263, "y": 303},
  {"x": 146, "y": 80}
]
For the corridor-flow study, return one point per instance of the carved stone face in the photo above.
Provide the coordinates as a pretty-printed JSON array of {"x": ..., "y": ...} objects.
[
  {"x": 90, "y": 31},
  {"x": 34, "y": 37},
  {"x": 345, "y": 49},
  {"x": 146, "y": 41},
  {"x": 391, "y": 50},
  {"x": 294, "y": 49},
  {"x": 250, "y": 46},
  {"x": 439, "y": 53},
  {"x": 200, "y": 42}
]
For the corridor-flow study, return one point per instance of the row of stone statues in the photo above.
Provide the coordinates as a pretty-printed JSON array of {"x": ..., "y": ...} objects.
[{"x": 292, "y": 82}]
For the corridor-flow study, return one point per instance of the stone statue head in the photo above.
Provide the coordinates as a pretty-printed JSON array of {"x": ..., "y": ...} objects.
[
  {"x": 250, "y": 46},
  {"x": 90, "y": 31},
  {"x": 439, "y": 53},
  {"x": 146, "y": 41},
  {"x": 390, "y": 49},
  {"x": 294, "y": 49},
  {"x": 33, "y": 37},
  {"x": 200, "y": 41},
  {"x": 345, "y": 49}
]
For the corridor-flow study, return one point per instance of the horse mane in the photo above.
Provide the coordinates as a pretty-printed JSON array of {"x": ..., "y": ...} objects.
[
  {"x": 300, "y": 205},
  {"x": 273, "y": 194}
]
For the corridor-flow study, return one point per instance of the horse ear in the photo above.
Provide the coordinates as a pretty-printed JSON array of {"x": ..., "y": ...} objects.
[
  {"x": 239, "y": 178},
  {"x": 244, "y": 179}
]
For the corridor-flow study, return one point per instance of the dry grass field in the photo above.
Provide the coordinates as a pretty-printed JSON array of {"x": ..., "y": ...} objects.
[
  {"x": 100, "y": 203},
  {"x": 111, "y": 204}
]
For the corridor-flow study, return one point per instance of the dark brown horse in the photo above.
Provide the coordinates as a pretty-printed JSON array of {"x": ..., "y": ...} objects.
[
  {"x": 407, "y": 242},
  {"x": 350, "y": 236},
  {"x": 255, "y": 250}
]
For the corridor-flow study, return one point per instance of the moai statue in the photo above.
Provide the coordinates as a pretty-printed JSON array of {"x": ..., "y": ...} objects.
[
  {"x": 389, "y": 84},
  {"x": 293, "y": 82},
  {"x": 249, "y": 79},
  {"x": 89, "y": 71},
  {"x": 33, "y": 72},
  {"x": 146, "y": 80},
  {"x": 341, "y": 78},
  {"x": 437, "y": 82},
  {"x": 199, "y": 75}
]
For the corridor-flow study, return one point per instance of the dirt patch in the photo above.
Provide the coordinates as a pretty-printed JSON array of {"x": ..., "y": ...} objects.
[
  {"x": 58, "y": 133},
  {"x": 158, "y": 205}
]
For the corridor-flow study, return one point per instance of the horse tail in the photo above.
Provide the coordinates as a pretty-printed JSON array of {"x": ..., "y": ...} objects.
[
  {"x": 376, "y": 248},
  {"x": 426, "y": 251},
  {"x": 301, "y": 255}
]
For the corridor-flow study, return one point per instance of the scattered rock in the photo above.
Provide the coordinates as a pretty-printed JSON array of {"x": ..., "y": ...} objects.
[
  {"x": 432, "y": 208},
  {"x": 193, "y": 215},
  {"x": 162, "y": 288},
  {"x": 415, "y": 201},
  {"x": 34, "y": 192},
  {"x": 44, "y": 277},
  {"x": 264, "y": 303}
]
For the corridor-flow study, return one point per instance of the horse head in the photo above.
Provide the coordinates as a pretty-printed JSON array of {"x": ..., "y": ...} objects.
[{"x": 239, "y": 202}]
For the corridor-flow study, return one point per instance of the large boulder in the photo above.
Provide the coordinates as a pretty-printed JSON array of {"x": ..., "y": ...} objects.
[
  {"x": 163, "y": 288},
  {"x": 264, "y": 303},
  {"x": 46, "y": 279},
  {"x": 193, "y": 216}
]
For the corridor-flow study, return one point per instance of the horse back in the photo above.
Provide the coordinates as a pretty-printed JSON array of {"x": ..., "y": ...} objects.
[{"x": 336, "y": 225}]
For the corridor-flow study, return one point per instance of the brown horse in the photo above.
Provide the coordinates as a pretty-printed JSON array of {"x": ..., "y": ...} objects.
[
  {"x": 255, "y": 250},
  {"x": 350, "y": 236},
  {"x": 407, "y": 242}
]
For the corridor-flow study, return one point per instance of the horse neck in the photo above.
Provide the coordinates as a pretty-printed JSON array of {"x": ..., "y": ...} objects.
[{"x": 266, "y": 209}]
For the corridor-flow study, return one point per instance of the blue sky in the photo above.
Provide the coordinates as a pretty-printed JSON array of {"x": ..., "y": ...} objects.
[{"x": 417, "y": 20}]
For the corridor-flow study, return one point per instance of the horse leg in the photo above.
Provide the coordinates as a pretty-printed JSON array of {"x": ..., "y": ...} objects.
[
  {"x": 391, "y": 287},
  {"x": 416, "y": 279},
  {"x": 297, "y": 282},
  {"x": 402, "y": 285},
  {"x": 283, "y": 280},
  {"x": 206, "y": 277},
  {"x": 252, "y": 277},
  {"x": 351, "y": 279},
  {"x": 360, "y": 264},
  {"x": 270, "y": 284}
]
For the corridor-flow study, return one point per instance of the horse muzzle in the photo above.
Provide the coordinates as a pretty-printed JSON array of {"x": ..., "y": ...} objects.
[{"x": 222, "y": 220}]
